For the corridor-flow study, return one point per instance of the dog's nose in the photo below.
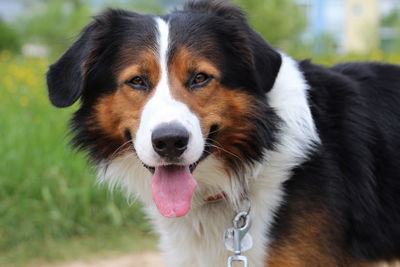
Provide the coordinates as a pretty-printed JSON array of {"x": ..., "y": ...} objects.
[{"x": 170, "y": 140}]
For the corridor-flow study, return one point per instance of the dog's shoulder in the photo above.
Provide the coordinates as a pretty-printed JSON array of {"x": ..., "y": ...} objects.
[{"x": 356, "y": 112}]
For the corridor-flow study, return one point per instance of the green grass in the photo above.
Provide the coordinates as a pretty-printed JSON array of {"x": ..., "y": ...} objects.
[{"x": 48, "y": 194}]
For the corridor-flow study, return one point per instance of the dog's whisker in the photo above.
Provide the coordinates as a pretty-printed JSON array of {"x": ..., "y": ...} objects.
[
  {"x": 121, "y": 147},
  {"x": 215, "y": 131},
  {"x": 217, "y": 144},
  {"x": 226, "y": 151},
  {"x": 214, "y": 141}
]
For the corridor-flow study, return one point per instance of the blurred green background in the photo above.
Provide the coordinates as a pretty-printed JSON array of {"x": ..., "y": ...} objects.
[{"x": 51, "y": 208}]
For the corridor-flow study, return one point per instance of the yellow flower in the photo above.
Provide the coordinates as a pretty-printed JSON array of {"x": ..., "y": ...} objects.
[{"x": 24, "y": 101}]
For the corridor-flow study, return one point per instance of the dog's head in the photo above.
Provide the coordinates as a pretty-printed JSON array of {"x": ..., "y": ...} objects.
[{"x": 172, "y": 91}]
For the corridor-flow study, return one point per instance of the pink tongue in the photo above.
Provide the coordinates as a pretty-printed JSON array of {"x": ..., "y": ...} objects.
[{"x": 173, "y": 188}]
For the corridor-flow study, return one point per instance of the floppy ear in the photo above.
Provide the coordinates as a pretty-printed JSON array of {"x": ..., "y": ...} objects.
[
  {"x": 267, "y": 61},
  {"x": 65, "y": 78}
]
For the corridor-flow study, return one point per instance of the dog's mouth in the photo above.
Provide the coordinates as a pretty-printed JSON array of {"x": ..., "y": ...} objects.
[
  {"x": 192, "y": 166},
  {"x": 173, "y": 184}
]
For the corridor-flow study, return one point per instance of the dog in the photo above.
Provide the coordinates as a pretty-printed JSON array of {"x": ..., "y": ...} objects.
[{"x": 200, "y": 118}]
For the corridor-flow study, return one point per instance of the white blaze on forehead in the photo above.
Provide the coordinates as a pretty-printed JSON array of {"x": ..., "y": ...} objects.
[
  {"x": 163, "y": 40},
  {"x": 163, "y": 108}
]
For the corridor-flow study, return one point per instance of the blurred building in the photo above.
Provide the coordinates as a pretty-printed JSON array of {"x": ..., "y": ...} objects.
[
  {"x": 354, "y": 25},
  {"x": 361, "y": 26}
]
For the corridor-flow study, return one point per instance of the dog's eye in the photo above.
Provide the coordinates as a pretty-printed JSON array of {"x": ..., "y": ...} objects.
[
  {"x": 138, "y": 83},
  {"x": 137, "y": 80},
  {"x": 199, "y": 80}
]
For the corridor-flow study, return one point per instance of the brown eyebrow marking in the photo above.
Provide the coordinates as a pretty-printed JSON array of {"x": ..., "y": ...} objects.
[
  {"x": 184, "y": 62},
  {"x": 146, "y": 64}
]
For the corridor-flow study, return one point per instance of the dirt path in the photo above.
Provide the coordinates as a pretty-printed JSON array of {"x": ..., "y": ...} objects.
[{"x": 144, "y": 259}]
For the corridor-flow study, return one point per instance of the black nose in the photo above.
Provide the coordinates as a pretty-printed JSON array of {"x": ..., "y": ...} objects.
[{"x": 170, "y": 140}]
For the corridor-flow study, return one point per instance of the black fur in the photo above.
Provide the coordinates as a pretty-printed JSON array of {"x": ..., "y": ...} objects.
[
  {"x": 354, "y": 175},
  {"x": 362, "y": 135}
]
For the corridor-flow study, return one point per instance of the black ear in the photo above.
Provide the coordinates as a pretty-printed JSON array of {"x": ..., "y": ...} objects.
[
  {"x": 267, "y": 61},
  {"x": 65, "y": 77}
]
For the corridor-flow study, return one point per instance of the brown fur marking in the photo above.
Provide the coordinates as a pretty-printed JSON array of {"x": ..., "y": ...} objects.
[{"x": 310, "y": 243}]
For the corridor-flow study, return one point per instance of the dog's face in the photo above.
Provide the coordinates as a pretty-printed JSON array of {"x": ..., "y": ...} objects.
[{"x": 171, "y": 90}]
